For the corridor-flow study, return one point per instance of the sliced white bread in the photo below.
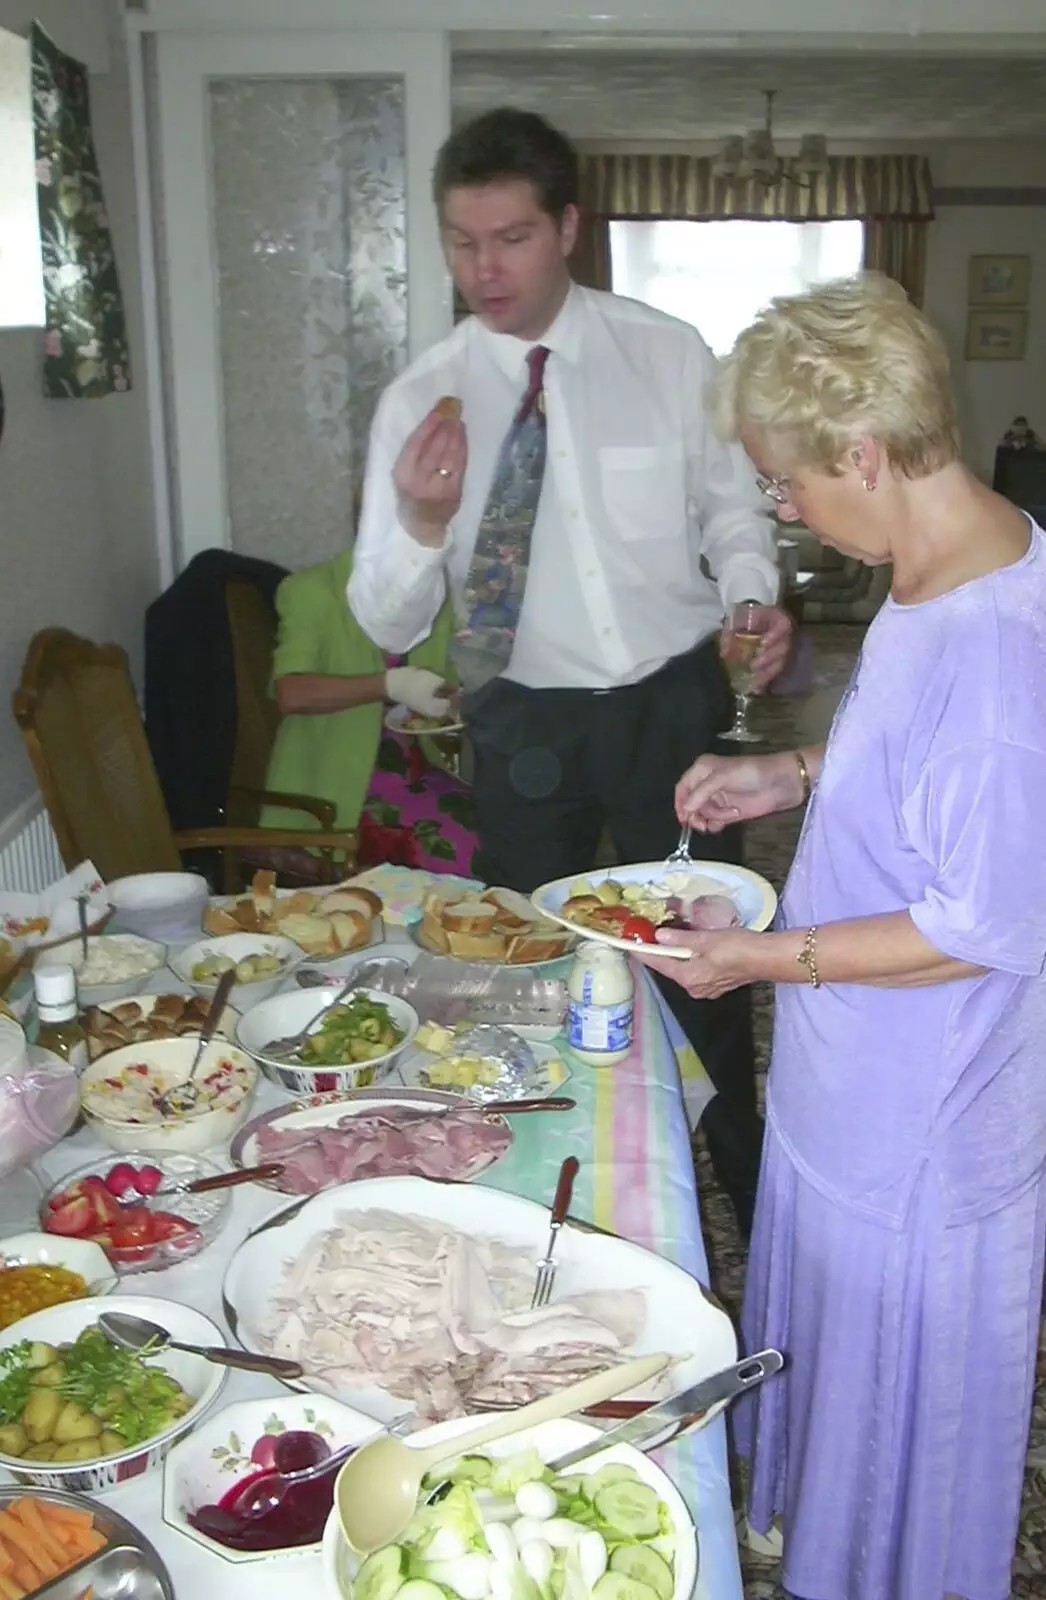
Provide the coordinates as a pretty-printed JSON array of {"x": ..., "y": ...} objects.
[
  {"x": 361, "y": 900},
  {"x": 352, "y": 929},
  {"x": 478, "y": 946},
  {"x": 469, "y": 916}
]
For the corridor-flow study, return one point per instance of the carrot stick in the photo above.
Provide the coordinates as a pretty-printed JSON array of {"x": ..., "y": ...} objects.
[
  {"x": 28, "y": 1510},
  {"x": 6, "y": 1560},
  {"x": 18, "y": 1535},
  {"x": 69, "y": 1514},
  {"x": 84, "y": 1542},
  {"x": 9, "y": 1590}
]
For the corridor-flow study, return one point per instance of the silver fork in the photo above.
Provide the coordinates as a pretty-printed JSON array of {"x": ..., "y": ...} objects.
[
  {"x": 560, "y": 1207},
  {"x": 681, "y": 856}
]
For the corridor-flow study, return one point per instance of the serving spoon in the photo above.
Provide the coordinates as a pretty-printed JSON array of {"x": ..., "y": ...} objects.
[
  {"x": 376, "y": 1492},
  {"x": 145, "y": 1337}
]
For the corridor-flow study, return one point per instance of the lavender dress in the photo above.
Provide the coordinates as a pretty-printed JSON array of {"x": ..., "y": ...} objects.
[{"x": 898, "y": 1246}]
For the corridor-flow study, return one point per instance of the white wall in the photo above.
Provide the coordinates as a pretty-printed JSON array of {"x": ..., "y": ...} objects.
[{"x": 75, "y": 507}]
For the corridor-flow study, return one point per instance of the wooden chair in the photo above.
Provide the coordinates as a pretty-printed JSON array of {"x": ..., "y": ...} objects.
[{"x": 79, "y": 718}]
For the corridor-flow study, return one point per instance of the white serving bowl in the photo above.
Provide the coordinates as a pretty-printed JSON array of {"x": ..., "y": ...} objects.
[
  {"x": 237, "y": 947},
  {"x": 152, "y": 957},
  {"x": 170, "y": 1060},
  {"x": 550, "y": 1439},
  {"x": 54, "y": 1250},
  {"x": 202, "y": 1379},
  {"x": 288, "y": 1013},
  {"x": 160, "y": 905},
  {"x": 217, "y": 1456}
]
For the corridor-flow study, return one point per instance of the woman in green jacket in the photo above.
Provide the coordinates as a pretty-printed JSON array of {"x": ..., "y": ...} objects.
[{"x": 332, "y": 685}]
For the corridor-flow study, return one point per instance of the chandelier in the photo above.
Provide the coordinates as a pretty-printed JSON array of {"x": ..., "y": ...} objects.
[{"x": 753, "y": 157}]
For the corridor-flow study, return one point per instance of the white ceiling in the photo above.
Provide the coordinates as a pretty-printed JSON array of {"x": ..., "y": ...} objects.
[{"x": 593, "y": 95}]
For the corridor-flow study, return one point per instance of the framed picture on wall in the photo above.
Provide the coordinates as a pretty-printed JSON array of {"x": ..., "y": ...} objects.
[
  {"x": 999, "y": 280},
  {"x": 996, "y": 335}
]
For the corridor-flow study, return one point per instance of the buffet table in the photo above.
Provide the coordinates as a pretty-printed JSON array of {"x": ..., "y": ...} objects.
[{"x": 630, "y": 1133}]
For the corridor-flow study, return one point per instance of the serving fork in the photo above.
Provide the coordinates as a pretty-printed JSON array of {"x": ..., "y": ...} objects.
[{"x": 560, "y": 1206}]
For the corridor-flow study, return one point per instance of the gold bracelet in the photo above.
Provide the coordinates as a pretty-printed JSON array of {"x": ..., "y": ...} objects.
[
  {"x": 804, "y": 774},
  {"x": 807, "y": 958}
]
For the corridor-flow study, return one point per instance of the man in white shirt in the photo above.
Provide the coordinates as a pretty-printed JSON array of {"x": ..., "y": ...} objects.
[{"x": 611, "y": 682}]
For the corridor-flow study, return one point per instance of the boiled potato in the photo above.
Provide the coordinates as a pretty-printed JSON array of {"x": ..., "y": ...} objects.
[
  {"x": 608, "y": 892},
  {"x": 77, "y": 1450},
  {"x": 75, "y": 1423},
  {"x": 42, "y": 1411},
  {"x": 111, "y": 1442},
  {"x": 13, "y": 1439},
  {"x": 42, "y": 1355},
  {"x": 40, "y": 1452},
  {"x": 46, "y": 1377},
  {"x": 112, "y": 1402}
]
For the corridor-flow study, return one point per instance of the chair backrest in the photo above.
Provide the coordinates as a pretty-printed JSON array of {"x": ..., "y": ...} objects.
[
  {"x": 252, "y": 628},
  {"x": 79, "y": 718}
]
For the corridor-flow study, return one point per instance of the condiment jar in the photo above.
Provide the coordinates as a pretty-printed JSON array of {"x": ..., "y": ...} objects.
[
  {"x": 601, "y": 1009},
  {"x": 60, "y": 1030}
]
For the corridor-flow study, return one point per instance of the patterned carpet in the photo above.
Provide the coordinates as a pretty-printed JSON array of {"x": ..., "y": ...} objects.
[{"x": 770, "y": 846}]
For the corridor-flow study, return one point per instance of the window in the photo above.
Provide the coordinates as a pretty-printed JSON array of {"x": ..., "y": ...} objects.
[
  {"x": 21, "y": 270},
  {"x": 717, "y": 275}
]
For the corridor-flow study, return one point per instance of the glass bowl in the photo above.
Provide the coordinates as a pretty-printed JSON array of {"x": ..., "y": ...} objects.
[{"x": 146, "y": 1232}]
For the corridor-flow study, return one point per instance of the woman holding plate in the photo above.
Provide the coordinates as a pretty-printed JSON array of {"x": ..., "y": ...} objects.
[{"x": 898, "y": 1245}]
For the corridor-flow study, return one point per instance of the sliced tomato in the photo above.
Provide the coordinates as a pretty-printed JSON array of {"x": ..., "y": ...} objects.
[
  {"x": 74, "y": 1217},
  {"x": 169, "y": 1228},
  {"x": 639, "y": 929},
  {"x": 134, "y": 1229}
]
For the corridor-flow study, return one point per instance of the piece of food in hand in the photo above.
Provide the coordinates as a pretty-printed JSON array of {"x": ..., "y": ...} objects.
[
  {"x": 449, "y": 408},
  {"x": 639, "y": 930}
]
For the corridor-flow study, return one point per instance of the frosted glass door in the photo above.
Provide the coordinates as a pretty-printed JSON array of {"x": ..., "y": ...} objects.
[{"x": 310, "y": 239}]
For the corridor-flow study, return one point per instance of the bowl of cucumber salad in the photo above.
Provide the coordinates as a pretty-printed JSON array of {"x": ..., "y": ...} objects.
[{"x": 509, "y": 1528}]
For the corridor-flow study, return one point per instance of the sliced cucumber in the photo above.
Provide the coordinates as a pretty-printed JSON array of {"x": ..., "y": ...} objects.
[
  {"x": 571, "y": 1486},
  {"x": 591, "y": 1483},
  {"x": 383, "y": 1575},
  {"x": 665, "y": 1545},
  {"x": 646, "y": 1566},
  {"x": 472, "y": 1469},
  {"x": 615, "y": 1586},
  {"x": 629, "y": 1506},
  {"x": 422, "y": 1589}
]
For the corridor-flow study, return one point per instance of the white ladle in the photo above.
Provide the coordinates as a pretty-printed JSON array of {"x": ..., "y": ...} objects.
[{"x": 376, "y": 1491}]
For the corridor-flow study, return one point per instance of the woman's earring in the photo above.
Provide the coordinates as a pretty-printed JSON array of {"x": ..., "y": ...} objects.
[{"x": 869, "y": 484}]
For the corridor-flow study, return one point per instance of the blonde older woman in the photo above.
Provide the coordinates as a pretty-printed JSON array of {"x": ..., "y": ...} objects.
[{"x": 898, "y": 1244}]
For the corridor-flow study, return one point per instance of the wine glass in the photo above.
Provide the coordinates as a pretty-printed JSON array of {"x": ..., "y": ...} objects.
[{"x": 740, "y": 648}]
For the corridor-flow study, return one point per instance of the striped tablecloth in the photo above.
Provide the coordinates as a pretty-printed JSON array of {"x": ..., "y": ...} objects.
[{"x": 636, "y": 1178}]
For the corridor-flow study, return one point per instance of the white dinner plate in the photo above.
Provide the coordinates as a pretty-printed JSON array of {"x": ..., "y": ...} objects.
[
  {"x": 396, "y": 722},
  {"x": 754, "y": 897},
  {"x": 327, "y": 1110},
  {"x": 680, "y": 1319}
]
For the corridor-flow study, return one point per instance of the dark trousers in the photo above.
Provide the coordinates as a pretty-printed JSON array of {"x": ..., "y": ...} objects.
[{"x": 552, "y": 768}]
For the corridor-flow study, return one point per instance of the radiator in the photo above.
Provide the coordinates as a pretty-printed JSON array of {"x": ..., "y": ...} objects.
[{"x": 29, "y": 856}]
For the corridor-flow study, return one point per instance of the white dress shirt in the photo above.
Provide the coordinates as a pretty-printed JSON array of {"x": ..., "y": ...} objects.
[{"x": 637, "y": 490}]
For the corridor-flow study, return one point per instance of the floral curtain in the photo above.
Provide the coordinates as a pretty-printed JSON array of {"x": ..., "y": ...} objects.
[
  {"x": 85, "y": 345},
  {"x": 648, "y": 187}
]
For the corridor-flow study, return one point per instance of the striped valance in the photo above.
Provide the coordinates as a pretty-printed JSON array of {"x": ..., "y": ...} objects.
[{"x": 682, "y": 187}]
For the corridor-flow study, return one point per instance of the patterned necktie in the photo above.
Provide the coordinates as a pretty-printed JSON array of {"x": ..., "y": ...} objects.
[{"x": 497, "y": 574}]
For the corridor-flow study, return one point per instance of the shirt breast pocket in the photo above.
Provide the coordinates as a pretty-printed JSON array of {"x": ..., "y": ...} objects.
[{"x": 644, "y": 491}]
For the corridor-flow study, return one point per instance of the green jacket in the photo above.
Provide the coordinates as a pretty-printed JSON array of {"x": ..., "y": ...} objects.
[{"x": 333, "y": 756}]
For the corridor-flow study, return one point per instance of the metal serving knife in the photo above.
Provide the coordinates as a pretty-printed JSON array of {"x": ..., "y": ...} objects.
[{"x": 675, "y": 1416}]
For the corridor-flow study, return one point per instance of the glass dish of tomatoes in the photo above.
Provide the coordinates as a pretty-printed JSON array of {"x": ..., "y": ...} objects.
[{"x": 119, "y": 1203}]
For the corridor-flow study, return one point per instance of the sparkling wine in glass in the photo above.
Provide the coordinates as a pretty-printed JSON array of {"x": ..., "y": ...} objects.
[{"x": 740, "y": 651}]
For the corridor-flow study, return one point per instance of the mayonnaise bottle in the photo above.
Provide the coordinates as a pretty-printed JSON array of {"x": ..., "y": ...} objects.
[{"x": 601, "y": 1008}]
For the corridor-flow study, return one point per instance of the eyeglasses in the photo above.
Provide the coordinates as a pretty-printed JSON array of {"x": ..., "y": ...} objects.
[{"x": 779, "y": 490}]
